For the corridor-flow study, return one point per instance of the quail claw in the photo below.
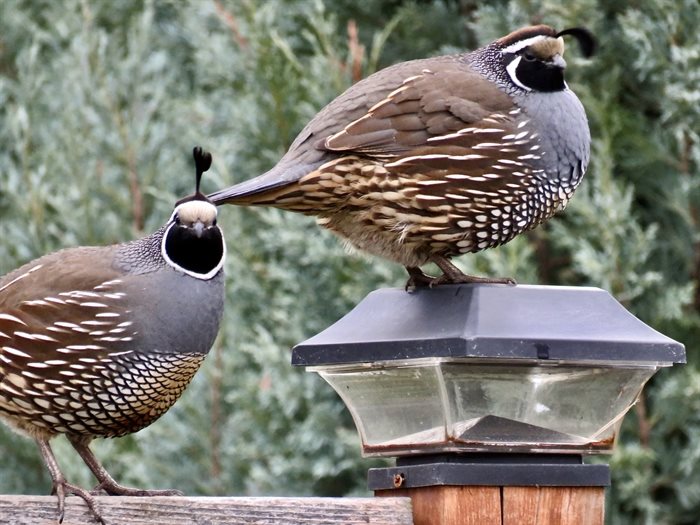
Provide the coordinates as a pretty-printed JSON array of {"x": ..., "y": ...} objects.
[
  {"x": 453, "y": 275},
  {"x": 115, "y": 489},
  {"x": 62, "y": 488},
  {"x": 417, "y": 278},
  {"x": 471, "y": 279}
]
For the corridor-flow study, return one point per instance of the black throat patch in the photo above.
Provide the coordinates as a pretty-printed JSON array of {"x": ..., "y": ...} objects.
[
  {"x": 198, "y": 254},
  {"x": 539, "y": 76}
]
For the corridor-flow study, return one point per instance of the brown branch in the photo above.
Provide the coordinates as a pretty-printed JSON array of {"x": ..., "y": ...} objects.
[
  {"x": 696, "y": 275},
  {"x": 357, "y": 51},
  {"x": 231, "y": 22},
  {"x": 549, "y": 266},
  {"x": 686, "y": 169},
  {"x": 129, "y": 157},
  {"x": 134, "y": 189},
  {"x": 215, "y": 428},
  {"x": 644, "y": 424},
  {"x": 545, "y": 266}
]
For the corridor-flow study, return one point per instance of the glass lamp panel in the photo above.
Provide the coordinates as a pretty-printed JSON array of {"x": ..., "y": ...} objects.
[
  {"x": 433, "y": 405},
  {"x": 542, "y": 407},
  {"x": 393, "y": 407}
]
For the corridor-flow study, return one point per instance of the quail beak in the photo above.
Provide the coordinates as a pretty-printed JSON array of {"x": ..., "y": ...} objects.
[
  {"x": 558, "y": 61},
  {"x": 198, "y": 228}
]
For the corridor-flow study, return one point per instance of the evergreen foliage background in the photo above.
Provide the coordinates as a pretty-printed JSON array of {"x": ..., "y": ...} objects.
[{"x": 101, "y": 103}]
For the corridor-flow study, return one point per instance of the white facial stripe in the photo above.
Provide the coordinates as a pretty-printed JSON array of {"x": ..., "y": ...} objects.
[
  {"x": 190, "y": 210},
  {"x": 522, "y": 44},
  {"x": 511, "y": 68}
]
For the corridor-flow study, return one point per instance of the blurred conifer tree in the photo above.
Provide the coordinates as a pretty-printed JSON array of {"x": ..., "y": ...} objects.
[{"x": 101, "y": 102}]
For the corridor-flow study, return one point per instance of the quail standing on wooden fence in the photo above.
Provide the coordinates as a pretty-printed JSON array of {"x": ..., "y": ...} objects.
[
  {"x": 101, "y": 341},
  {"x": 433, "y": 158}
]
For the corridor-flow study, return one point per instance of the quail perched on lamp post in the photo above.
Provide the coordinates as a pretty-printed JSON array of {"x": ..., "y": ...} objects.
[
  {"x": 101, "y": 341},
  {"x": 433, "y": 158}
]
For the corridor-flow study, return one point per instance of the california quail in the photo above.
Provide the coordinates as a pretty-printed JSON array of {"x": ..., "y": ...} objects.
[
  {"x": 433, "y": 158},
  {"x": 101, "y": 341}
]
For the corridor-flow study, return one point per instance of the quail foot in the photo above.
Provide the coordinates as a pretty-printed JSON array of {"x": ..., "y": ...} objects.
[
  {"x": 429, "y": 159},
  {"x": 101, "y": 341}
]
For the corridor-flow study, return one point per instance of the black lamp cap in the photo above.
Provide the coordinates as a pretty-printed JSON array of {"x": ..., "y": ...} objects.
[{"x": 541, "y": 323}]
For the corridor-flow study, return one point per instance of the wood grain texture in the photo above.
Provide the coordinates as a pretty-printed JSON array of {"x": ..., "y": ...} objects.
[
  {"x": 452, "y": 505},
  {"x": 553, "y": 505},
  {"x": 41, "y": 510},
  {"x": 471, "y": 505}
]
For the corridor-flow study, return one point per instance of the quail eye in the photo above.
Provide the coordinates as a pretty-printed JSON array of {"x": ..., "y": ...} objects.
[
  {"x": 176, "y": 219},
  {"x": 529, "y": 57}
]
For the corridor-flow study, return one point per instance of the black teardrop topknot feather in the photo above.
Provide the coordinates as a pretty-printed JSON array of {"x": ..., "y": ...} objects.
[
  {"x": 585, "y": 38},
  {"x": 202, "y": 162}
]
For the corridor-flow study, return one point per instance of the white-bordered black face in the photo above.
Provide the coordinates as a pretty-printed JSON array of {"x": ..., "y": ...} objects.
[
  {"x": 536, "y": 63},
  {"x": 193, "y": 242}
]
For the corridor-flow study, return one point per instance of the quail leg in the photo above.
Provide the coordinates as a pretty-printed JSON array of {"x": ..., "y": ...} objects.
[
  {"x": 417, "y": 278},
  {"x": 106, "y": 482},
  {"x": 453, "y": 275},
  {"x": 61, "y": 487}
]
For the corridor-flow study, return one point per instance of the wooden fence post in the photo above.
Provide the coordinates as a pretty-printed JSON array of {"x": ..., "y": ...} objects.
[
  {"x": 485, "y": 489},
  {"x": 452, "y": 505}
]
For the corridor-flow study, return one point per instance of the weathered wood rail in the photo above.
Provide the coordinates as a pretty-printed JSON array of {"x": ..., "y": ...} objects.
[{"x": 41, "y": 510}]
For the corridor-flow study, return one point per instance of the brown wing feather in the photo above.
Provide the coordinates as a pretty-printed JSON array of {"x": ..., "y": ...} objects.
[
  {"x": 432, "y": 103},
  {"x": 454, "y": 136},
  {"x": 74, "y": 354},
  {"x": 58, "y": 329},
  {"x": 44, "y": 309},
  {"x": 48, "y": 274},
  {"x": 416, "y": 106},
  {"x": 308, "y": 151}
]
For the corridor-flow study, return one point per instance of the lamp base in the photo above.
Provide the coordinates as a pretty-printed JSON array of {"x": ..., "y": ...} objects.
[{"x": 503, "y": 470}]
